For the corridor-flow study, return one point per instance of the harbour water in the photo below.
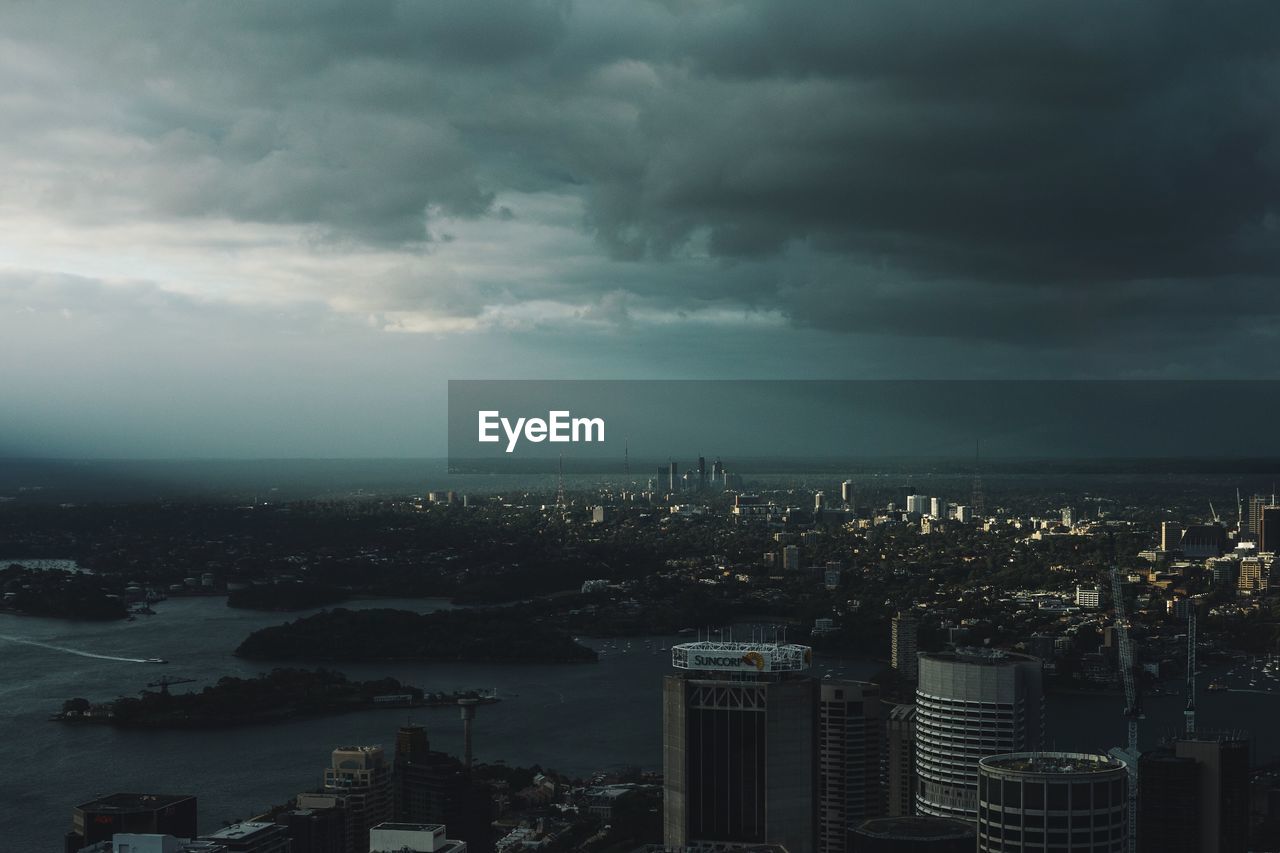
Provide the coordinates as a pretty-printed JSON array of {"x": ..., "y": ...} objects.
[{"x": 576, "y": 718}]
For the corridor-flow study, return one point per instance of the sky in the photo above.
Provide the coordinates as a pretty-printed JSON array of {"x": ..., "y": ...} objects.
[{"x": 278, "y": 229}]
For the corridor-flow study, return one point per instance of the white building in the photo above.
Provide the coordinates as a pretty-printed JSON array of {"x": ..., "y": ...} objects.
[
  {"x": 1088, "y": 596},
  {"x": 412, "y": 838}
]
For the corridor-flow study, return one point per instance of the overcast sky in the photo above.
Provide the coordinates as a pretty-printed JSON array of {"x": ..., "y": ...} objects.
[{"x": 277, "y": 229}]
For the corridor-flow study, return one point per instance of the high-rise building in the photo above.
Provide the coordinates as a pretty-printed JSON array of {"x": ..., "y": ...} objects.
[
  {"x": 847, "y": 494},
  {"x": 913, "y": 835},
  {"x": 937, "y": 509},
  {"x": 702, "y": 473},
  {"x": 1223, "y": 788},
  {"x": 1252, "y": 575},
  {"x": 850, "y": 733},
  {"x": 739, "y": 741},
  {"x": 251, "y": 837},
  {"x": 1170, "y": 536},
  {"x": 358, "y": 782},
  {"x": 900, "y": 766},
  {"x": 434, "y": 787},
  {"x": 918, "y": 504},
  {"x": 963, "y": 514},
  {"x": 904, "y": 643},
  {"x": 673, "y": 477},
  {"x": 1168, "y": 803},
  {"x": 154, "y": 814},
  {"x": 791, "y": 558},
  {"x": 970, "y": 704},
  {"x": 817, "y": 501},
  {"x": 1269, "y": 529},
  {"x": 1088, "y": 596},
  {"x": 1037, "y": 801}
]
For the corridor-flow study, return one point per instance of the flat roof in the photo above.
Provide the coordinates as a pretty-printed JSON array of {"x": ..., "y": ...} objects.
[
  {"x": 135, "y": 802},
  {"x": 1053, "y": 762},
  {"x": 918, "y": 827},
  {"x": 410, "y": 827}
]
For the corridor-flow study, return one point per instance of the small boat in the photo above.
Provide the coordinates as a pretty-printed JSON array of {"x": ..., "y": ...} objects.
[{"x": 155, "y": 660}]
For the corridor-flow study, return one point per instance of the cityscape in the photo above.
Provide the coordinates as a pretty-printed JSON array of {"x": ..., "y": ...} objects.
[
  {"x": 639, "y": 426},
  {"x": 830, "y": 665}
]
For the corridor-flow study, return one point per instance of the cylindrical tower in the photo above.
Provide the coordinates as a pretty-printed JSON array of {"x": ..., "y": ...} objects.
[
  {"x": 1038, "y": 801},
  {"x": 971, "y": 703}
]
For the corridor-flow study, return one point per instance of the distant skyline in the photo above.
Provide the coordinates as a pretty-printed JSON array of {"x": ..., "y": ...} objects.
[{"x": 277, "y": 230}]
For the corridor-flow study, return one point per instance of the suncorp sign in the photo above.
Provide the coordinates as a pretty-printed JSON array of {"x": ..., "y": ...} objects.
[{"x": 740, "y": 657}]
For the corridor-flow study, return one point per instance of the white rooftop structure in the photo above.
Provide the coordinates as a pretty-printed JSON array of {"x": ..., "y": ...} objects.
[{"x": 741, "y": 657}]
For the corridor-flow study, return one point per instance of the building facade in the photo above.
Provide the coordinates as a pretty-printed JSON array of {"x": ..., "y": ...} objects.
[
  {"x": 850, "y": 735},
  {"x": 1049, "y": 801},
  {"x": 739, "y": 732},
  {"x": 904, "y": 639},
  {"x": 971, "y": 704}
]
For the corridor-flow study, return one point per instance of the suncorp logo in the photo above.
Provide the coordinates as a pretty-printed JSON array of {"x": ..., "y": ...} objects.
[{"x": 559, "y": 426}]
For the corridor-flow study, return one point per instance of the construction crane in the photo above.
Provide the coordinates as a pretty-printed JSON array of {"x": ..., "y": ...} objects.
[
  {"x": 1189, "y": 715},
  {"x": 1213, "y": 513},
  {"x": 165, "y": 681},
  {"x": 1132, "y": 703}
]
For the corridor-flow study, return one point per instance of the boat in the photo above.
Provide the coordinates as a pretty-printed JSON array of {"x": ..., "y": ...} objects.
[
  {"x": 155, "y": 660},
  {"x": 1216, "y": 686}
]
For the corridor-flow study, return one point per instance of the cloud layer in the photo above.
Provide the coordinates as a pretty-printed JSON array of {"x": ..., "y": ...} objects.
[{"x": 1021, "y": 181}]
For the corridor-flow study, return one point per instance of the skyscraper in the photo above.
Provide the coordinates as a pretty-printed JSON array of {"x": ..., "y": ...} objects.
[
  {"x": 971, "y": 703},
  {"x": 673, "y": 477},
  {"x": 702, "y": 473},
  {"x": 1037, "y": 801},
  {"x": 157, "y": 814},
  {"x": 1269, "y": 529},
  {"x": 850, "y": 733},
  {"x": 434, "y": 787},
  {"x": 1168, "y": 807},
  {"x": 904, "y": 642},
  {"x": 739, "y": 728},
  {"x": 846, "y": 494},
  {"x": 900, "y": 768},
  {"x": 359, "y": 783},
  {"x": 1223, "y": 783}
]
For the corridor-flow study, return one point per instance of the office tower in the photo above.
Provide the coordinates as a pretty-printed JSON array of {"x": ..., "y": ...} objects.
[
  {"x": 154, "y": 814},
  {"x": 1222, "y": 762},
  {"x": 739, "y": 727},
  {"x": 1088, "y": 596},
  {"x": 1170, "y": 536},
  {"x": 963, "y": 514},
  {"x": 913, "y": 835},
  {"x": 717, "y": 473},
  {"x": 971, "y": 703},
  {"x": 817, "y": 501},
  {"x": 673, "y": 477},
  {"x": 315, "y": 830},
  {"x": 412, "y": 838},
  {"x": 900, "y": 768},
  {"x": 918, "y": 504},
  {"x": 846, "y": 493},
  {"x": 433, "y": 787},
  {"x": 251, "y": 837},
  {"x": 1168, "y": 807},
  {"x": 662, "y": 478},
  {"x": 936, "y": 508},
  {"x": 1251, "y": 523},
  {"x": 904, "y": 635},
  {"x": 1252, "y": 577},
  {"x": 359, "y": 783},
  {"x": 702, "y": 473},
  {"x": 791, "y": 558},
  {"x": 1269, "y": 529},
  {"x": 1037, "y": 801},
  {"x": 1203, "y": 541},
  {"x": 850, "y": 732}
]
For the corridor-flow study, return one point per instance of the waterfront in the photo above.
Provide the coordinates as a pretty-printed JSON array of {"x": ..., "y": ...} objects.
[{"x": 576, "y": 718}]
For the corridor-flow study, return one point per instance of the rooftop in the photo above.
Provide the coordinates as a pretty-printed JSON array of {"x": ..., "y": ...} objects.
[
  {"x": 135, "y": 802},
  {"x": 1053, "y": 762},
  {"x": 916, "y": 828}
]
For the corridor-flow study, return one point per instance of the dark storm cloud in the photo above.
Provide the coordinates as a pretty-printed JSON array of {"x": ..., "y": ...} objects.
[{"x": 1031, "y": 173}]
